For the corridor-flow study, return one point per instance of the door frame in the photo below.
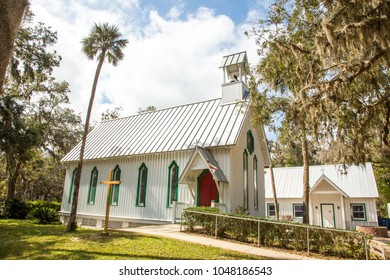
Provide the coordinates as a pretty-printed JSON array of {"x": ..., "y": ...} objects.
[
  {"x": 198, "y": 188},
  {"x": 322, "y": 214}
]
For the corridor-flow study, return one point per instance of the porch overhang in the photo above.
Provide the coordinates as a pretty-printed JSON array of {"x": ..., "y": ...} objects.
[{"x": 200, "y": 160}]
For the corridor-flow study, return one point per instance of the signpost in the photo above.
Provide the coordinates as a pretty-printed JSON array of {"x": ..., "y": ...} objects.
[{"x": 109, "y": 183}]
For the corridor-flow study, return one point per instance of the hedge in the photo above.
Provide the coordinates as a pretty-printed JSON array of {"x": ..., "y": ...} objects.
[{"x": 273, "y": 234}]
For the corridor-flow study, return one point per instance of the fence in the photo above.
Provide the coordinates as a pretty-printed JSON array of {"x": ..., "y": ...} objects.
[
  {"x": 177, "y": 210},
  {"x": 342, "y": 243}
]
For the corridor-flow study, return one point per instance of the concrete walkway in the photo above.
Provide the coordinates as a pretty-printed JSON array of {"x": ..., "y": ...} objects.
[{"x": 173, "y": 231}]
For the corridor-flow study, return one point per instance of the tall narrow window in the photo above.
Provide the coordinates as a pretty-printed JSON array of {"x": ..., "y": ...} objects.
[
  {"x": 71, "y": 185},
  {"x": 173, "y": 184},
  {"x": 115, "y": 188},
  {"x": 245, "y": 175},
  {"x": 255, "y": 184},
  {"x": 92, "y": 186},
  {"x": 142, "y": 181}
]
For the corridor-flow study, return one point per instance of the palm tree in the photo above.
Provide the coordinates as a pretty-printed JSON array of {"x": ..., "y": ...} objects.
[{"x": 103, "y": 42}]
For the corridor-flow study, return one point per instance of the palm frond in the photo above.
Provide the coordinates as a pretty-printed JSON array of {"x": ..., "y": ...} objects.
[{"x": 104, "y": 39}]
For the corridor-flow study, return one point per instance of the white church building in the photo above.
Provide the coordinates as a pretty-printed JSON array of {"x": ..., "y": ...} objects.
[
  {"x": 191, "y": 155},
  {"x": 340, "y": 196}
]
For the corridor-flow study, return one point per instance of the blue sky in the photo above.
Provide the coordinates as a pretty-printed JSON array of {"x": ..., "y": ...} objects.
[
  {"x": 237, "y": 10},
  {"x": 174, "y": 50}
]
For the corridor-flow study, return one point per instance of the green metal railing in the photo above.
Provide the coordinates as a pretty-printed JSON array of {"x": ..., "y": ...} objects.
[{"x": 215, "y": 223}]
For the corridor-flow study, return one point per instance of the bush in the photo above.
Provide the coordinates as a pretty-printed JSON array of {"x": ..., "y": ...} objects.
[
  {"x": 44, "y": 212},
  {"x": 15, "y": 209},
  {"x": 281, "y": 235},
  {"x": 196, "y": 220}
]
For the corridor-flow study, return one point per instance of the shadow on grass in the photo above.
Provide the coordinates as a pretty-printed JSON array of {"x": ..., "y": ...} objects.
[{"x": 26, "y": 240}]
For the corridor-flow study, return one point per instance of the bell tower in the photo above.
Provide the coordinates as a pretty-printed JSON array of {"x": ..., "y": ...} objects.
[{"x": 235, "y": 74}]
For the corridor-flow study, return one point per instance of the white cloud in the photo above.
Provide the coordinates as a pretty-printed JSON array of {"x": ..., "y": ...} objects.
[{"x": 170, "y": 60}]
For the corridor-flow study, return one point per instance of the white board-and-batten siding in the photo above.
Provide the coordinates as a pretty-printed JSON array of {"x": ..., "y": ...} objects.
[
  {"x": 156, "y": 190},
  {"x": 237, "y": 176},
  {"x": 330, "y": 185}
]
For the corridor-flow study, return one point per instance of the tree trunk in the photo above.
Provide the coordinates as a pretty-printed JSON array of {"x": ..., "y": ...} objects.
[
  {"x": 72, "y": 225},
  {"x": 271, "y": 169},
  {"x": 11, "y": 14},
  {"x": 305, "y": 155},
  {"x": 13, "y": 174},
  {"x": 274, "y": 190}
]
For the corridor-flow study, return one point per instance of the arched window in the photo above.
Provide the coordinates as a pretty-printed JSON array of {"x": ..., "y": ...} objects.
[
  {"x": 173, "y": 183},
  {"x": 114, "y": 197},
  {"x": 71, "y": 185},
  {"x": 142, "y": 181},
  {"x": 255, "y": 183},
  {"x": 92, "y": 186},
  {"x": 245, "y": 175}
]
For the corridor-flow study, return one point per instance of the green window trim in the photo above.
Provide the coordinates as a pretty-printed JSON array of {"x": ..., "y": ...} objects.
[
  {"x": 255, "y": 183},
  {"x": 245, "y": 179},
  {"x": 272, "y": 205},
  {"x": 114, "y": 195},
  {"x": 250, "y": 142},
  {"x": 142, "y": 183},
  {"x": 358, "y": 211},
  {"x": 294, "y": 211},
  {"x": 92, "y": 186},
  {"x": 173, "y": 183},
  {"x": 71, "y": 185}
]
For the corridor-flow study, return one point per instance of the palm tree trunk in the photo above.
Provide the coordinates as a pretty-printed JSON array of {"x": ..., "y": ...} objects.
[
  {"x": 72, "y": 224},
  {"x": 305, "y": 155},
  {"x": 271, "y": 168}
]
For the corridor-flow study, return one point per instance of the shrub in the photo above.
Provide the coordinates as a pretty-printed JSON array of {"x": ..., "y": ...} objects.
[
  {"x": 272, "y": 234},
  {"x": 198, "y": 220},
  {"x": 15, "y": 209},
  {"x": 44, "y": 212}
]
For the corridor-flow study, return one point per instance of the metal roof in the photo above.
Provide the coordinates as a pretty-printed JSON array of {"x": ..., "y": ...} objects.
[
  {"x": 233, "y": 59},
  {"x": 206, "y": 124},
  {"x": 209, "y": 162},
  {"x": 357, "y": 181}
]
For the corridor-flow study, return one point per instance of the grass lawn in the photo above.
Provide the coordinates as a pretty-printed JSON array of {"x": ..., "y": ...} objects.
[{"x": 24, "y": 240}]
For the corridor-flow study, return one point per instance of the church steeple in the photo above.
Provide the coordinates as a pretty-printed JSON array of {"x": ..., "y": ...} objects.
[{"x": 235, "y": 73}]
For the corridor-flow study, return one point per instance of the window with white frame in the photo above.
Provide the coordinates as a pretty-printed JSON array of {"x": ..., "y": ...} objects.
[
  {"x": 298, "y": 210},
  {"x": 271, "y": 212},
  {"x": 358, "y": 212}
]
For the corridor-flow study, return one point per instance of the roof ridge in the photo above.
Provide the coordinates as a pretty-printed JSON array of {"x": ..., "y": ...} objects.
[{"x": 322, "y": 165}]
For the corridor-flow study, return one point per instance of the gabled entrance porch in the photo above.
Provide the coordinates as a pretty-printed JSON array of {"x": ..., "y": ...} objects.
[{"x": 204, "y": 178}]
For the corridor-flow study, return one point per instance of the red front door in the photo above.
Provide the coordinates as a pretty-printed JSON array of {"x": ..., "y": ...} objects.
[{"x": 207, "y": 189}]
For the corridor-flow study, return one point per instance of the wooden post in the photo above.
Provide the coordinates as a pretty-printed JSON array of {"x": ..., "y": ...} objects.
[{"x": 109, "y": 183}]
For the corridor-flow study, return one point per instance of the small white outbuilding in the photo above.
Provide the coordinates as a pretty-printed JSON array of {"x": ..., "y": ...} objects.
[
  {"x": 341, "y": 196},
  {"x": 192, "y": 155}
]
